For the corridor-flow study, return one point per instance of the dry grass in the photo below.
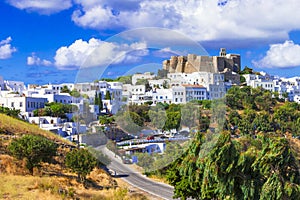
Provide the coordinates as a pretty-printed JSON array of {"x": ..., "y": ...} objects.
[
  {"x": 63, "y": 187},
  {"x": 53, "y": 181},
  {"x": 11, "y": 126}
]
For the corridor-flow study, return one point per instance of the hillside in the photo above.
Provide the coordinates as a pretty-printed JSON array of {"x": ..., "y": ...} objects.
[{"x": 52, "y": 180}]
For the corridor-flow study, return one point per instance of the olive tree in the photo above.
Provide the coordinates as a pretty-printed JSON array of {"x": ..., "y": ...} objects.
[
  {"x": 80, "y": 161},
  {"x": 35, "y": 149}
]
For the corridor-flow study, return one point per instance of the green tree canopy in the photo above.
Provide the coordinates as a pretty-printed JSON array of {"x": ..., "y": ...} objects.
[
  {"x": 75, "y": 93},
  {"x": 129, "y": 121},
  {"x": 261, "y": 168},
  {"x": 124, "y": 79},
  {"x": 80, "y": 161},
  {"x": 56, "y": 110},
  {"x": 35, "y": 149},
  {"x": 65, "y": 89},
  {"x": 10, "y": 112},
  {"x": 157, "y": 118},
  {"x": 107, "y": 95}
]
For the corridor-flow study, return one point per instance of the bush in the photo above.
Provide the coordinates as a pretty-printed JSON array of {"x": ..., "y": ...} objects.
[
  {"x": 80, "y": 161},
  {"x": 34, "y": 149}
]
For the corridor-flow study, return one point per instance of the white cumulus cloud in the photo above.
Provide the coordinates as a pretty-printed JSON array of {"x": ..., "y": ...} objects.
[
  {"x": 41, "y": 6},
  {"x": 96, "y": 52},
  {"x": 6, "y": 49},
  {"x": 202, "y": 20},
  {"x": 281, "y": 56},
  {"x": 34, "y": 60}
]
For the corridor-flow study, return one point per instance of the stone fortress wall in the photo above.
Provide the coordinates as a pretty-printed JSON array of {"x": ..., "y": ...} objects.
[{"x": 228, "y": 64}]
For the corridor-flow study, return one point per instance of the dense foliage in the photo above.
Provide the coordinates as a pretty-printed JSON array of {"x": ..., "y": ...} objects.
[
  {"x": 259, "y": 111},
  {"x": 156, "y": 161},
  {"x": 34, "y": 149},
  {"x": 261, "y": 168},
  {"x": 98, "y": 101},
  {"x": 80, "y": 161},
  {"x": 163, "y": 116},
  {"x": 55, "y": 110},
  {"x": 10, "y": 112},
  {"x": 259, "y": 164}
]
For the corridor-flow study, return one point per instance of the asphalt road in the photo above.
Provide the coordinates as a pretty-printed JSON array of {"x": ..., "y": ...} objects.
[{"x": 136, "y": 179}]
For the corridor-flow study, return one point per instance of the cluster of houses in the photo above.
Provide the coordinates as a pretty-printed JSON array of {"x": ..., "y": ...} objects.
[
  {"x": 177, "y": 87},
  {"x": 285, "y": 87}
]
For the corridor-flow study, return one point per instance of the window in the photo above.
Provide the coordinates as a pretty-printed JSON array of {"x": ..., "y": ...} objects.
[
  {"x": 12, "y": 104},
  {"x": 21, "y": 104}
]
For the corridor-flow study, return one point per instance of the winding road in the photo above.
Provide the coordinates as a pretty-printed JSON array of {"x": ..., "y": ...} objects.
[{"x": 136, "y": 179}]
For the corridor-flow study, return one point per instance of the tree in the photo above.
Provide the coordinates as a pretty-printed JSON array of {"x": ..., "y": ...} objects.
[
  {"x": 80, "y": 161},
  {"x": 166, "y": 84},
  {"x": 124, "y": 79},
  {"x": 65, "y": 89},
  {"x": 190, "y": 115},
  {"x": 57, "y": 110},
  {"x": 278, "y": 169},
  {"x": 10, "y": 112},
  {"x": 34, "y": 149},
  {"x": 129, "y": 121},
  {"x": 157, "y": 118},
  {"x": 96, "y": 99},
  {"x": 261, "y": 168},
  {"x": 242, "y": 79},
  {"x": 100, "y": 103},
  {"x": 145, "y": 160},
  {"x": 173, "y": 120},
  {"x": 43, "y": 112},
  {"x": 141, "y": 110},
  {"x": 246, "y": 70},
  {"x": 107, "y": 95},
  {"x": 104, "y": 119},
  {"x": 75, "y": 93}
]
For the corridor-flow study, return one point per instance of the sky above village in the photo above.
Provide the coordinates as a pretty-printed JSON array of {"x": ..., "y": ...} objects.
[{"x": 59, "y": 41}]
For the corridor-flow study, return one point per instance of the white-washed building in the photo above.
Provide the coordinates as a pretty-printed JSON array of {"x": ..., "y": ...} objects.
[
  {"x": 178, "y": 94},
  {"x": 114, "y": 89},
  {"x": 162, "y": 96},
  {"x": 159, "y": 83},
  {"x": 262, "y": 80},
  {"x": 25, "y": 104},
  {"x": 195, "y": 92}
]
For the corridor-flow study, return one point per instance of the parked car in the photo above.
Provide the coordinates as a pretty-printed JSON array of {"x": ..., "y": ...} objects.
[
  {"x": 126, "y": 161},
  {"x": 150, "y": 137}
]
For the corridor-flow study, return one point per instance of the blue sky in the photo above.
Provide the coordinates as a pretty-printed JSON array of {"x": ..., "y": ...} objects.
[{"x": 60, "y": 41}]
